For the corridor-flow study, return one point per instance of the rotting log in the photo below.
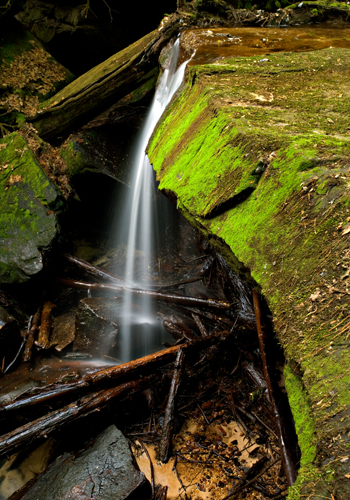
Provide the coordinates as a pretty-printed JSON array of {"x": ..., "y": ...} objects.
[
  {"x": 168, "y": 425},
  {"x": 45, "y": 326},
  {"x": 28, "y": 350},
  {"x": 165, "y": 297},
  {"x": 103, "y": 85},
  {"x": 39, "y": 428},
  {"x": 118, "y": 374},
  {"x": 285, "y": 429}
]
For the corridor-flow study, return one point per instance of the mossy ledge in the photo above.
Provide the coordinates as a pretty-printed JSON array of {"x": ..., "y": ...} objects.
[{"x": 279, "y": 126}]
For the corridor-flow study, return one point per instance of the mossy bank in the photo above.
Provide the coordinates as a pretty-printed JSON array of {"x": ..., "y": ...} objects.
[{"x": 257, "y": 154}]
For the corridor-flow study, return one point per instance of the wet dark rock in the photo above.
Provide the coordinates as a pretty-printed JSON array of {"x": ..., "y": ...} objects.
[
  {"x": 105, "y": 471},
  {"x": 63, "y": 331},
  {"x": 82, "y": 35},
  {"x": 96, "y": 327},
  {"x": 10, "y": 337},
  {"x": 29, "y": 204}
]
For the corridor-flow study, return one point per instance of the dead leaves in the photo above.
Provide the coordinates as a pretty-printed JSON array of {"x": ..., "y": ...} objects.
[{"x": 35, "y": 72}]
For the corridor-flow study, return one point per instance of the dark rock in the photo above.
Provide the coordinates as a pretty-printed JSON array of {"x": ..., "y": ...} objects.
[
  {"x": 28, "y": 206},
  {"x": 62, "y": 333},
  {"x": 105, "y": 471},
  {"x": 10, "y": 337},
  {"x": 96, "y": 327},
  {"x": 81, "y": 35}
]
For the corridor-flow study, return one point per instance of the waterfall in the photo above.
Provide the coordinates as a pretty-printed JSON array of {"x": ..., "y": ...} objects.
[{"x": 141, "y": 212}]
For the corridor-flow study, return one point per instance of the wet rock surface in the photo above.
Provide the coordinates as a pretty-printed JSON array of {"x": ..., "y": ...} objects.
[
  {"x": 28, "y": 206},
  {"x": 104, "y": 471},
  {"x": 96, "y": 326},
  {"x": 10, "y": 338}
]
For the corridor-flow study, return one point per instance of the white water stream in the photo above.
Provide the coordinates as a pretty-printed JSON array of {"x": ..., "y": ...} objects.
[{"x": 139, "y": 205}]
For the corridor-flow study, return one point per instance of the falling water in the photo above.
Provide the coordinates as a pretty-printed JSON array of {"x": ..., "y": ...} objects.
[{"x": 141, "y": 211}]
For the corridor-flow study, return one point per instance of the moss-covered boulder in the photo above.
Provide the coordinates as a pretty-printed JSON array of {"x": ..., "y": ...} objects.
[
  {"x": 257, "y": 154},
  {"x": 29, "y": 203}
]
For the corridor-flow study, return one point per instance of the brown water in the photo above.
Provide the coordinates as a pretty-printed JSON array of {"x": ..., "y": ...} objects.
[{"x": 215, "y": 44}]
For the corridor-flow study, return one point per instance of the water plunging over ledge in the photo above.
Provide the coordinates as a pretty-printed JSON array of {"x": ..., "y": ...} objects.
[{"x": 141, "y": 211}]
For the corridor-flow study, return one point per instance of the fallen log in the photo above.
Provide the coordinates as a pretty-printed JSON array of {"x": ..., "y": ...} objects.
[
  {"x": 41, "y": 427},
  {"x": 28, "y": 350},
  {"x": 285, "y": 429},
  {"x": 168, "y": 425},
  {"x": 104, "y": 84},
  {"x": 45, "y": 326},
  {"x": 152, "y": 361},
  {"x": 118, "y": 374},
  {"x": 166, "y": 297},
  {"x": 44, "y": 397}
]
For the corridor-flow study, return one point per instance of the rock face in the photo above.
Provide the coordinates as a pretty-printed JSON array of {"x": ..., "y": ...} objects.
[
  {"x": 257, "y": 152},
  {"x": 10, "y": 337},
  {"x": 96, "y": 327},
  {"x": 28, "y": 205},
  {"x": 104, "y": 472}
]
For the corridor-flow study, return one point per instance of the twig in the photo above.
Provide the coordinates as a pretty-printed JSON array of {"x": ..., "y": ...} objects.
[
  {"x": 31, "y": 337},
  {"x": 287, "y": 439},
  {"x": 168, "y": 426},
  {"x": 257, "y": 470},
  {"x": 150, "y": 466},
  {"x": 204, "y": 415},
  {"x": 179, "y": 478}
]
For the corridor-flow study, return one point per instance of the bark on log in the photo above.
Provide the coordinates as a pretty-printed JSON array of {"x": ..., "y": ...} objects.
[
  {"x": 165, "y": 297},
  {"x": 22, "y": 436},
  {"x": 103, "y": 85},
  {"x": 285, "y": 430},
  {"x": 168, "y": 425},
  {"x": 45, "y": 327},
  {"x": 44, "y": 397}
]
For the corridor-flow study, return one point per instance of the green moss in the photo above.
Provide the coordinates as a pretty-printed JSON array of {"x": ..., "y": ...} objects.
[
  {"x": 75, "y": 160},
  {"x": 291, "y": 116},
  {"x": 28, "y": 223},
  {"x": 304, "y": 423}
]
